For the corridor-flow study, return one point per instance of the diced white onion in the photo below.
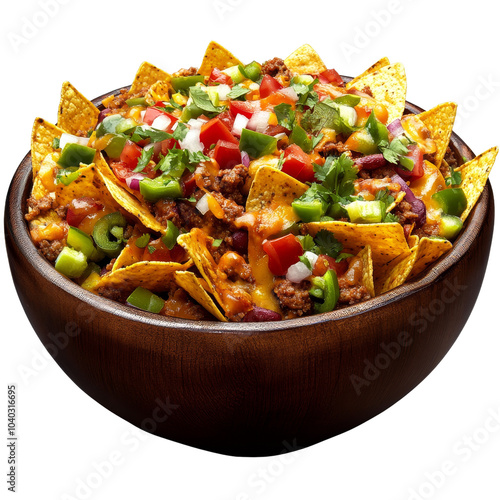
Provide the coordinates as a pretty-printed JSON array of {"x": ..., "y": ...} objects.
[
  {"x": 223, "y": 90},
  {"x": 298, "y": 272},
  {"x": 240, "y": 122},
  {"x": 290, "y": 92},
  {"x": 311, "y": 257},
  {"x": 72, "y": 139},
  {"x": 161, "y": 122},
  {"x": 254, "y": 86},
  {"x": 149, "y": 146},
  {"x": 279, "y": 136},
  {"x": 259, "y": 121},
  {"x": 142, "y": 115},
  {"x": 196, "y": 123},
  {"x": 349, "y": 115},
  {"x": 202, "y": 204},
  {"x": 192, "y": 141}
]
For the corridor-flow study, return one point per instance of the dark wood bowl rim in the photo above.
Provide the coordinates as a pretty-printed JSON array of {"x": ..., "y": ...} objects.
[{"x": 15, "y": 223}]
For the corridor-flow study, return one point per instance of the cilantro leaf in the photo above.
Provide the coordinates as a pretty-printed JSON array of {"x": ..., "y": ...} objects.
[
  {"x": 172, "y": 105},
  {"x": 338, "y": 175},
  {"x": 145, "y": 132},
  {"x": 144, "y": 159},
  {"x": 281, "y": 160},
  {"x": 196, "y": 157},
  {"x": 327, "y": 243},
  {"x": 305, "y": 261},
  {"x": 180, "y": 131},
  {"x": 55, "y": 143},
  {"x": 238, "y": 91},
  {"x": 316, "y": 140},
  {"x": 326, "y": 114},
  {"x": 392, "y": 152},
  {"x": 202, "y": 100},
  {"x": 348, "y": 100},
  {"x": 285, "y": 115},
  {"x": 454, "y": 179}
]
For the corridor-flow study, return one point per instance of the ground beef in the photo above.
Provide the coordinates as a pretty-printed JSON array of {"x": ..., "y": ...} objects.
[
  {"x": 116, "y": 294},
  {"x": 449, "y": 162},
  {"x": 189, "y": 215},
  {"x": 51, "y": 249},
  {"x": 62, "y": 211},
  {"x": 403, "y": 211},
  {"x": 427, "y": 230},
  {"x": 377, "y": 173},
  {"x": 186, "y": 72},
  {"x": 118, "y": 101},
  {"x": 232, "y": 181},
  {"x": 367, "y": 90},
  {"x": 293, "y": 297},
  {"x": 350, "y": 295},
  {"x": 276, "y": 67},
  {"x": 231, "y": 209},
  {"x": 334, "y": 148},
  {"x": 165, "y": 210},
  {"x": 128, "y": 231},
  {"x": 38, "y": 207}
]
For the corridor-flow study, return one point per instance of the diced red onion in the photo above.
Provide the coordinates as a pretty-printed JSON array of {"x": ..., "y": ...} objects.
[
  {"x": 72, "y": 139},
  {"x": 240, "y": 122},
  {"x": 289, "y": 92},
  {"x": 370, "y": 162},
  {"x": 245, "y": 159},
  {"x": 133, "y": 181},
  {"x": 417, "y": 205},
  {"x": 259, "y": 121},
  {"x": 298, "y": 272},
  {"x": 395, "y": 128},
  {"x": 103, "y": 113},
  {"x": 202, "y": 204},
  {"x": 259, "y": 314},
  {"x": 161, "y": 122}
]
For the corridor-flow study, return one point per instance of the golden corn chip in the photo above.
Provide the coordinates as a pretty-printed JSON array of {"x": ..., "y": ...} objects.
[
  {"x": 395, "y": 273},
  {"x": 160, "y": 91},
  {"x": 125, "y": 199},
  {"x": 76, "y": 114},
  {"x": 191, "y": 283},
  {"x": 216, "y": 56},
  {"x": 388, "y": 85},
  {"x": 151, "y": 275},
  {"x": 41, "y": 142},
  {"x": 397, "y": 201},
  {"x": 305, "y": 60},
  {"x": 374, "y": 67},
  {"x": 439, "y": 121},
  {"x": 387, "y": 241},
  {"x": 428, "y": 251},
  {"x": 366, "y": 256},
  {"x": 474, "y": 177},
  {"x": 147, "y": 75},
  {"x": 127, "y": 257}
]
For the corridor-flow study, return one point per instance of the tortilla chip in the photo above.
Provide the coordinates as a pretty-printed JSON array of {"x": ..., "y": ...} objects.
[
  {"x": 147, "y": 75},
  {"x": 160, "y": 91},
  {"x": 153, "y": 276},
  {"x": 366, "y": 256},
  {"x": 305, "y": 60},
  {"x": 388, "y": 85},
  {"x": 191, "y": 283},
  {"x": 439, "y": 121},
  {"x": 216, "y": 56},
  {"x": 397, "y": 201},
  {"x": 474, "y": 177},
  {"x": 41, "y": 142},
  {"x": 387, "y": 241},
  {"x": 76, "y": 113},
  {"x": 124, "y": 198},
  {"x": 127, "y": 257},
  {"x": 47, "y": 226},
  {"x": 428, "y": 251},
  {"x": 374, "y": 67}
]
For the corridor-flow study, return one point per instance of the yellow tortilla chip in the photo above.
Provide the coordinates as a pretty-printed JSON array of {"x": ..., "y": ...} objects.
[
  {"x": 151, "y": 275},
  {"x": 216, "y": 56},
  {"x": 147, "y": 75},
  {"x": 126, "y": 258},
  {"x": 366, "y": 256},
  {"x": 387, "y": 241},
  {"x": 374, "y": 67},
  {"x": 474, "y": 177},
  {"x": 191, "y": 283},
  {"x": 305, "y": 60},
  {"x": 41, "y": 142},
  {"x": 76, "y": 114},
  {"x": 428, "y": 251},
  {"x": 125, "y": 199},
  {"x": 160, "y": 91},
  {"x": 388, "y": 85},
  {"x": 439, "y": 121}
]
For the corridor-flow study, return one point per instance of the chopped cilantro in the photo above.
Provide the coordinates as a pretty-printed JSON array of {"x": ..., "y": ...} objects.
[
  {"x": 285, "y": 115},
  {"x": 306, "y": 261},
  {"x": 316, "y": 140},
  {"x": 327, "y": 244},
  {"x": 393, "y": 151},
  {"x": 326, "y": 114},
  {"x": 180, "y": 131},
  {"x": 151, "y": 249},
  {"x": 216, "y": 243},
  {"x": 177, "y": 160},
  {"x": 144, "y": 159},
  {"x": 238, "y": 91},
  {"x": 172, "y": 105},
  {"x": 56, "y": 143},
  {"x": 454, "y": 179},
  {"x": 202, "y": 100},
  {"x": 337, "y": 175},
  {"x": 145, "y": 132}
]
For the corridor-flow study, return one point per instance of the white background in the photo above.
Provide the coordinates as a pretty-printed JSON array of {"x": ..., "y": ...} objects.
[{"x": 450, "y": 51}]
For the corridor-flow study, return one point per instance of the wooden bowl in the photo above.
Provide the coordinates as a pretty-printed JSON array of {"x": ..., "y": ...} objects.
[{"x": 250, "y": 389}]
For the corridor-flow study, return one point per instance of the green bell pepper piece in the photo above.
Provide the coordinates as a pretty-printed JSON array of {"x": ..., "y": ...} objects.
[
  {"x": 257, "y": 144},
  {"x": 170, "y": 236},
  {"x": 234, "y": 73},
  {"x": 108, "y": 125},
  {"x": 452, "y": 201},
  {"x": 81, "y": 241},
  {"x": 70, "y": 262},
  {"x": 160, "y": 188},
  {"x": 142, "y": 241},
  {"x": 191, "y": 111},
  {"x": 137, "y": 101},
  {"x": 251, "y": 71},
  {"x": 146, "y": 300},
  {"x": 184, "y": 82},
  {"x": 125, "y": 125},
  {"x": 450, "y": 226},
  {"x": 327, "y": 288},
  {"x": 376, "y": 129},
  {"x": 115, "y": 146},
  {"x": 366, "y": 211},
  {"x": 299, "y": 136},
  {"x": 102, "y": 233},
  {"x": 309, "y": 211},
  {"x": 406, "y": 163},
  {"x": 73, "y": 154},
  {"x": 365, "y": 142}
]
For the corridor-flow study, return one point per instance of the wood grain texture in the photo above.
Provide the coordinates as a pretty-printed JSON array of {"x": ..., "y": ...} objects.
[{"x": 250, "y": 389}]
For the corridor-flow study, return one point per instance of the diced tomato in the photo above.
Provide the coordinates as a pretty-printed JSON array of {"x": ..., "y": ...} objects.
[
  {"x": 325, "y": 262},
  {"x": 246, "y": 108},
  {"x": 79, "y": 208},
  {"x": 188, "y": 185},
  {"x": 220, "y": 77},
  {"x": 227, "y": 154},
  {"x": 213, "y": 131},
  {"x": 330, "y": 76},
  {"x": 152, "y": 113},
  {"x": 415, "y": 153},
  {"x": 130, "y": 155},
  {"x": 282, "y": 253},
  {"x": 298, "y": 164},
  {"x": 268, "y": 103},
  {"x": 227, "y": 118},
  {"x": 269, "y": 85}
]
